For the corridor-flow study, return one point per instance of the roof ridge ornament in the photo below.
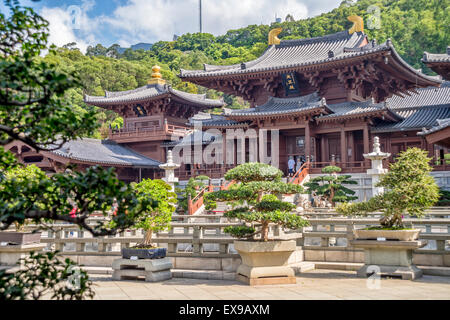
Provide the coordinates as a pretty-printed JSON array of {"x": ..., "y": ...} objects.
[
  {"x": 156, "y": 76},
  {"x": 358, "y": 24},
  {"x": 273, "y": 36}
]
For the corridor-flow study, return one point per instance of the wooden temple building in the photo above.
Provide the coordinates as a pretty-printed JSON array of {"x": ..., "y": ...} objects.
[{"x": 327, "y": 97}]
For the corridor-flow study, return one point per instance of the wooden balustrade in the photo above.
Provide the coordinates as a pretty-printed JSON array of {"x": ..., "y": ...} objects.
[
  {"x": 148, "y": 132},
  {"x": 197, "y": 202},
  {"x": 301, "y": 174}
]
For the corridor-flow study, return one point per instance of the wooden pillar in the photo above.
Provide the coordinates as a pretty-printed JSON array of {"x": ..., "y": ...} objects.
[
  {"x": 307, "y": 139},
  {"x": 343, "y": 148},
  {"x": 323, "y": 149},
  {"x": 366, "y": 141},
  {"x": 351, "y": 145}
]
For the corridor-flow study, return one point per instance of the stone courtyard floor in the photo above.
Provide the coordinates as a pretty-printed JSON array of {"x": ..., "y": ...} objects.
[{"x": 316, "y": 284}]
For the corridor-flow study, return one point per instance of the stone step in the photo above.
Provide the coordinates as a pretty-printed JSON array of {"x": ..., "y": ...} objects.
[
  {"x": 176, "y": 273},
  {"x": 302, "y": 267},
  {"x": 348, "y": 266},
  {"x": 203, "y": 274}
]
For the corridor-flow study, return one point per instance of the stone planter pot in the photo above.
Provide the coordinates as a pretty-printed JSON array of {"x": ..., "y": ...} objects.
[
  {"x": 265, "y": 262},
  {"x": 156, "y": 253},
  {"x": 20, "y": 238},
  {"x": 401, "y": 235}
]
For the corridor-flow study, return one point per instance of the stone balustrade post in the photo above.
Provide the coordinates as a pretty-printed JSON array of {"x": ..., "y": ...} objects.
[
  {"x": 80, "y": 246},
  {"x": 440, "y": 245},
  {"x": 59, "y": 246}
]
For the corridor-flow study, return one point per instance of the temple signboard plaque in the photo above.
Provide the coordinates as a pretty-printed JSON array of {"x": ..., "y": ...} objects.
[{"x": 290, "y": 83}]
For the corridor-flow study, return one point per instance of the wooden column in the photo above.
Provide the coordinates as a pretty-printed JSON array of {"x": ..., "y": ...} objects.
[
  {"x": 351, "y": 144},
  {"x": 323, "y": 149},
  {"x": 366, "y": 141},
  {"x": 307, "y": 140},
  {"x": 343, "y": 148}
]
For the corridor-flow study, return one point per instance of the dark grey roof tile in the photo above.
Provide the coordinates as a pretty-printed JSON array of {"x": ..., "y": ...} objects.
[{"x": 105, "y": 152}]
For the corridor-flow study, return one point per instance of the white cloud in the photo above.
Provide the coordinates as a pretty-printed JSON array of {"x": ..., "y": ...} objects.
[
  {"x": 71, "y": 24},
  {"x": 154, "y": 20}
]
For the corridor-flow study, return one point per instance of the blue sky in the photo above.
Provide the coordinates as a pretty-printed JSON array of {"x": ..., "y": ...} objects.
[{"x": 126, "y": 22}]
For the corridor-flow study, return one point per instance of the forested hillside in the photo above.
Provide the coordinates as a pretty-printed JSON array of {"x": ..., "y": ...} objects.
[{"x": 413, "y": 25}]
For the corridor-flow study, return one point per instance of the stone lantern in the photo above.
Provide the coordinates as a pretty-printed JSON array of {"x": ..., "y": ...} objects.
[
  {"x": 169, "y": 169},
  {"x": 376, "y": 156}
]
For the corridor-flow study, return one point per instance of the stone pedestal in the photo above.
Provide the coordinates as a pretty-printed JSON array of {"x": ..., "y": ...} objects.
[
  {"x": 265, "y": 262},
  {"x": 152, "y": 269},
  {"x": 11, "y": 254},
  {"x": 390, "y": 258}
]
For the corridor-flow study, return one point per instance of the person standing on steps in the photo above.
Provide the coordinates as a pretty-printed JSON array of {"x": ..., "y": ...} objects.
[
  {"x": 298, "y": 165},
  {"x": 291, "y": 165}
]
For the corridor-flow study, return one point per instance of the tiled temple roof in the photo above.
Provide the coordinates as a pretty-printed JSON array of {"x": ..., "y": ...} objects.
[
  {"x": 305, "y": 53},
  {"x": 436, "y": 57},
  {"x": 429, "y": 96},
  {"x": 357, "y": 109},
  {"x": 419, "y": 110},
  {"x": 284, "y": 106},
  {"x": 194, "y": 138},
  {"x": 439, "y": 125},
  {"x": 415, "y": 118},
  {"x": 104, "y": 152},
  {"x": 150, "y": 91},
  {"x": 288, "y": 53}
]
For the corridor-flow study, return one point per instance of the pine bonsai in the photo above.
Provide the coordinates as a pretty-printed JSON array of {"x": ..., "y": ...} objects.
[
  {"x": 254, "y": 200},
  {"x": 409, "y": 189},
  {"x": 331, "y": 187}
]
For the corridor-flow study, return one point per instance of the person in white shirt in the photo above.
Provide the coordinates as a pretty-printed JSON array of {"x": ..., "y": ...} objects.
[{"x": 291, "y": 165}]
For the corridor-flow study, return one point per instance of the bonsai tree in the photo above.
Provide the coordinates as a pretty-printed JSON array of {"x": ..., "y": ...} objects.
[
  {"x": 409, "y": 189},
  {"x": 331, "y": 187},
  {"x": 159, "y": 213},
  {"x": 444, "y": 198},
  {"x": 254, "y": 198}
]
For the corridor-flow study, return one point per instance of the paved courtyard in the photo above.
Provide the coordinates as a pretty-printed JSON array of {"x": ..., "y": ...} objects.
[{"x": 316, "y": 284}]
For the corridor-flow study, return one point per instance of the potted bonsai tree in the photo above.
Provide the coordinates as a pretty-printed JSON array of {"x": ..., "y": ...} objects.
[
  {"x": 254, "y": 201},
  {"x": 158, "y": 218},
  {"x": 18, "y": 176},
  {"x": 331, "y": 187},
  {"x": 410, "y": 189}
]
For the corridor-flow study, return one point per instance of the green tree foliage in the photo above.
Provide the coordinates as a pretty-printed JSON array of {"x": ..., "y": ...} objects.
[
  {"x": 158, "y": 214},
  {"x": 42, "y": 274},
  {"x": 34, "y": 110},
  {"x": 332, "y": 186},
  {"x": 444, "y": 199},
  {"x": 409, "y": 189},
  {"x": 256, "y": 191}
]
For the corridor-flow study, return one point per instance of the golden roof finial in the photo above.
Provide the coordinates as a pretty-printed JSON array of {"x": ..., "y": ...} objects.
[
  {"x": 273, "y": 36},
  {"x": 156, "y": 76},
  {"x": 358, "y": 24}
]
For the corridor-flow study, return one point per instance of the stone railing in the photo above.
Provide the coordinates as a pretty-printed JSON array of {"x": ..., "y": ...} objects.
[
  {"x": 328, "y": 237},
  {"x": 202, "y": 236}
]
